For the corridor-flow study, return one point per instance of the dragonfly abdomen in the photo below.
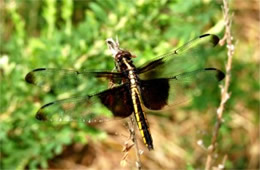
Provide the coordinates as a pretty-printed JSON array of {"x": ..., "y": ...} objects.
[
  {"x": 137, "y": 104},
  {"x": 141, "y": 120}
]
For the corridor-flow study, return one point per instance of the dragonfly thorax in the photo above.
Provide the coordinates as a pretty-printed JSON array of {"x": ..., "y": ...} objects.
[{"x": 123, "y": 61}]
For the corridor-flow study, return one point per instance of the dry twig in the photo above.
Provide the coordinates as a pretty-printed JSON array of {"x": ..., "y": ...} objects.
[
  {"x": 225, "y": 95},
  {"x": 132, "y": 129},
  {"x": 133, "y": 137}
]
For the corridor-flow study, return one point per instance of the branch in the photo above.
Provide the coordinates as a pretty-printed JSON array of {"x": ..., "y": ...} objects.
[
  {"x": 225, "y": 95},
  {"x": 132, "y": 129}
]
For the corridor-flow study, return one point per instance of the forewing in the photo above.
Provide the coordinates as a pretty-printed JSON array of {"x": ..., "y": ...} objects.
[
  {"x": 188, "y": 57},
  {"x": 88, "y": 108},
  {"x": 62, "y": 80},
  {"x": 162, "y": 92}
]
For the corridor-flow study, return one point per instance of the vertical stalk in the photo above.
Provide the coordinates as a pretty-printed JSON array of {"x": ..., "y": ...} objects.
[{"x": 225, "y": 95}]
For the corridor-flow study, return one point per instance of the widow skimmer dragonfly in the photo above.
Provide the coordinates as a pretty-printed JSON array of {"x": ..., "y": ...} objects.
[{"x": 151, "y": 86}]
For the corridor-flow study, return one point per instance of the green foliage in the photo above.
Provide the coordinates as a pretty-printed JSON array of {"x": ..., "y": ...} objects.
[{"x": 72, "y": 34}]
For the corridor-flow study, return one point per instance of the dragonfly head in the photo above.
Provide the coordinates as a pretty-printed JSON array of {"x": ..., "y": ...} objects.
[{"x": 113, "y": 46}]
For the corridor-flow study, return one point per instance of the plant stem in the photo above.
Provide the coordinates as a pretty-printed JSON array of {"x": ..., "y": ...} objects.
[{"x": 225, "y": 95}]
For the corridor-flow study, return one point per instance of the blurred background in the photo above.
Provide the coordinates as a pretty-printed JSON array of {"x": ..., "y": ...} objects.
[{"x": 71, "y": 34}]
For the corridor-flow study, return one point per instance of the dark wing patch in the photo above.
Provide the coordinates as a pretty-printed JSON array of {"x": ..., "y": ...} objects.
[
  {"x": 118, "y": 101},
  {"x": 155, "y": 93},
  {"x": 158, "y": 93}
]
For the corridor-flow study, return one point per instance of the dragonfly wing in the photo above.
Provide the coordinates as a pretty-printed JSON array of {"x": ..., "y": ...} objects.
[
  {"x": 188, "y": 57},
  {"x": 161, "y": 92},
  {"x": 88, "y": 108},
  {"x": 62, "y": 80}
]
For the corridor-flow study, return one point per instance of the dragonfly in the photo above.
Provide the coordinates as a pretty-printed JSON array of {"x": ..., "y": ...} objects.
[{"x": 153, "y": 86}]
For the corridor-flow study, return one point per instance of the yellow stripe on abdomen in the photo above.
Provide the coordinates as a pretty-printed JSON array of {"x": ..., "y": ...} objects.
[{"x": 141, "y": 119}]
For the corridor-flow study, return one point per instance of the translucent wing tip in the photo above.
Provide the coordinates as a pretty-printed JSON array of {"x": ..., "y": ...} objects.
[
  {"x": 214, "y": 38},
  {"x": 30, "y": 78},
  {"x": 40, "y": 115},
  {"x": 219, "y": 74}
]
